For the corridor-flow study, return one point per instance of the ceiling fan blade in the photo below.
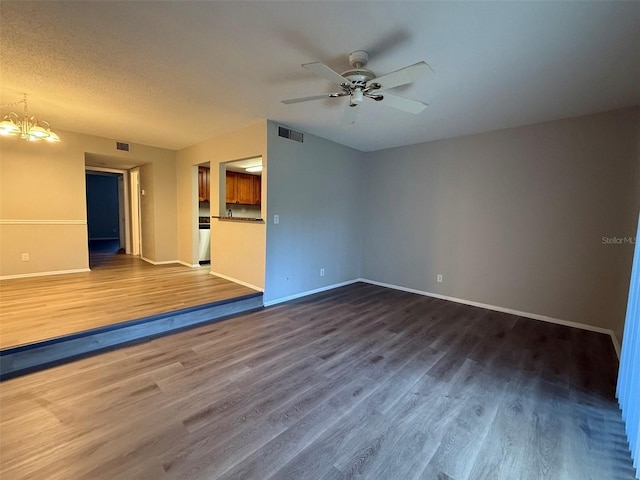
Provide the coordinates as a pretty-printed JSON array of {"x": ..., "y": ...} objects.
[
  {"x": 325, "y": 72},
  {"x": 402, "y": 77},
  {"x": 307, "y": 99},
  {"x": 404, "y": 104},
  {"x": 390, "y": 41},
  {"x": 350, "y": 115}
]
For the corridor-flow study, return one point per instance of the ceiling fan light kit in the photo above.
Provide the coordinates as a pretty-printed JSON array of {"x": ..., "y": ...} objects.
[
  {"x": 359, "y": 83},
  {"x": 356, "y": 97}
]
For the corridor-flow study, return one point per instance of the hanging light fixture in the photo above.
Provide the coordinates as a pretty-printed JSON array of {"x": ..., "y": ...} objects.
[{"x": 29, "y": 128}]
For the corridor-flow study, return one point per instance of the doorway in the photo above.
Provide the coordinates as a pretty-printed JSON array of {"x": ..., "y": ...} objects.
[
  {"x": 109, "y": 217},
  {"x": 105, "y": 208}
]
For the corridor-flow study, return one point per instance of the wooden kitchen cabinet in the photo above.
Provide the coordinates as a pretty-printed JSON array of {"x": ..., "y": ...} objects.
[
  {"x": 203, "y": 184},
  {"x": 257, "y": 189},
  {"x": 230, "y": 187},
  {"x": 243, "y": 189}
]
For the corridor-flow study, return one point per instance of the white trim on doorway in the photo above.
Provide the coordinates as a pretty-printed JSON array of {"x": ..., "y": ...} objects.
[
  {"x": 136, "y": 230},
  {"x": 123, "y": 209}
]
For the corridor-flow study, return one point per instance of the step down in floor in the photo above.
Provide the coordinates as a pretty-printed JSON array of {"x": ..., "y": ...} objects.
[{"x": 25, "y": 359}]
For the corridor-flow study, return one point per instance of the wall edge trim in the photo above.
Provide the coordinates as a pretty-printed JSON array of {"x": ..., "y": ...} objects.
[
  {"x": 235, "y": 280},
  {"x": 163, "y": 262},
  {"x": 44, "y": 274},
  {"x": 534, "y": 316},
  {"x": 195, "y": 265},
  {"x": 310, "y": 292},
  {"x": 6, "y": 221}
]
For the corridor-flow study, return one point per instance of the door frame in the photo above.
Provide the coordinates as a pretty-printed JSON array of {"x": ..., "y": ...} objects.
[
  {"x": 123, "y": 203},
  {"x": 136, "y": 224}
]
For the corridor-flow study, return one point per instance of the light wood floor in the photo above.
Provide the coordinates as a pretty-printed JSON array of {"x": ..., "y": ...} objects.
[
  {"x": 118, "y": 288},
  {"x": 359, "y": 382}
]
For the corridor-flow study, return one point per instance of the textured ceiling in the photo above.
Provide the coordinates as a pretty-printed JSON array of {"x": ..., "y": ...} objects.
[{"x": 172, "y": 74}]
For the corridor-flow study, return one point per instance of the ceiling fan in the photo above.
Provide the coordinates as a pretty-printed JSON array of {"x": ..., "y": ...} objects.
[{"x": 359, "y": 83}]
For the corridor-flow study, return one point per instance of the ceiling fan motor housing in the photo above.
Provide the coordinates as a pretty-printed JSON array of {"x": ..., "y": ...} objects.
[
  {"x": 359, "y": 76},
  {"x": 358, "y": 59}
]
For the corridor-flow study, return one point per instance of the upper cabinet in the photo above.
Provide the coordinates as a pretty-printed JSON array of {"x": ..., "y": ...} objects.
[
  {"x": 243, "y": 188},
  {"x": 257, "y": 189},
  {"x": 230, "y": 188},
  {"x": 203, "y": 184}
]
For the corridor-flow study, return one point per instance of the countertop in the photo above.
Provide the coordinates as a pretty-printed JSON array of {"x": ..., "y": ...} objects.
[{"x": 240, "y": 219}]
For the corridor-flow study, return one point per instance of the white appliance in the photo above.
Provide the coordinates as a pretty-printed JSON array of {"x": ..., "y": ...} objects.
[{"x": 204, "y": 244}]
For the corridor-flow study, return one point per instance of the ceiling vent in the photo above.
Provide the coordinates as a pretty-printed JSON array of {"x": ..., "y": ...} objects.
[
  {"x": 290, "y": 134},
  {"x": 122, "y": 146}
]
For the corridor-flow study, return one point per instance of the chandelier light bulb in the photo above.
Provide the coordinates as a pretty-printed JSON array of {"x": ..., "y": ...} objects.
[
  {"x": 52, "y": 137},
  {"x": 37, "y": 131},
  {"x": 9, "y": 128},
  {"x": 29, "y": 128}
]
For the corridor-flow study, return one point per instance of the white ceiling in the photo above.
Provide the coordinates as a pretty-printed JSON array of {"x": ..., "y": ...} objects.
[{"x": 172, "y": 74}]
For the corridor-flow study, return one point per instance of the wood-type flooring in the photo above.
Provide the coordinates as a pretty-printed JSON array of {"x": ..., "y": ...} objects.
[
  {"x": 118, "y": 288},
  {"x": 358, "y": 382}
]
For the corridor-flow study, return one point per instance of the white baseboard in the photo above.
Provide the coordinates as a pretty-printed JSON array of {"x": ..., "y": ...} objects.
[
  {"x": 616, "y": 343},
  {"x": 534, "y": 316},
  {"x": 163, "y": 262},
  {"x": 195, "y": 265},
  {"x": 44, "y": 274},
  {"x": 309, "y": 292},
  {"x": 235, "y": 280}
]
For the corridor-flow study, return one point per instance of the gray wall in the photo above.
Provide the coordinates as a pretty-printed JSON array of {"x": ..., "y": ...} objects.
[
  {"x": 315, "y": 187},
  {"x": 513, "y": 218}
]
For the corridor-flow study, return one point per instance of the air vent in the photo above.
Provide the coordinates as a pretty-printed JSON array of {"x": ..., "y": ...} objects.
[
  {"x": 122, "y": 146},
  {"x": 290, "y": 134}
]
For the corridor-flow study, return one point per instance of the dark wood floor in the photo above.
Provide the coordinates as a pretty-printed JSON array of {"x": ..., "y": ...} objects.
[{"x": 359, "y": 382}]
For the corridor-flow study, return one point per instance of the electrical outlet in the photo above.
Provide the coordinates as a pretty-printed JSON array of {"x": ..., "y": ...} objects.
[
  {"x": 439, "y": 278},
  {"x": 322, "y": 272},
  {"x": 276, "y": 219},
  {"x": 25, "y": 256}
]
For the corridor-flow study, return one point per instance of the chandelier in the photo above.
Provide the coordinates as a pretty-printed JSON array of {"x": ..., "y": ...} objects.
[{"x": 29, "y": 128}]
